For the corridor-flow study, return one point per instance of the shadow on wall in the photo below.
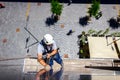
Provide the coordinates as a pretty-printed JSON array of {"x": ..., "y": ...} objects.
[
  {"x": 50, "y": 20},
  {"x": 113, "y": 23},
  {"x": 83, "y": 21}
]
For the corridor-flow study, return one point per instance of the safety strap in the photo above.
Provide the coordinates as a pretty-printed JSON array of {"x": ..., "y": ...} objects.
[{"x": 45, "y": 47}]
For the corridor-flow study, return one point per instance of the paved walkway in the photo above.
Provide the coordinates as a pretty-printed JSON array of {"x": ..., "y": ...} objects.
[
  {"x": 13, "y": 20},
  {"x": 13, "y": 35}
]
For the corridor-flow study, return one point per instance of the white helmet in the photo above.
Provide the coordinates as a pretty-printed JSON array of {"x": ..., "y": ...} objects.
[{"x": 48, "y": 39}]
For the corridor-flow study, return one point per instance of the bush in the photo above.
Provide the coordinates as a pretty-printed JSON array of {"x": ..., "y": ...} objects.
[
  {"x": 56, "y": 7},
  {"x": 94, "y": 9}
]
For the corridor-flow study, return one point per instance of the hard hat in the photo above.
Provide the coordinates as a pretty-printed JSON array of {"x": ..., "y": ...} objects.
[{"x": 48, "y": 39}]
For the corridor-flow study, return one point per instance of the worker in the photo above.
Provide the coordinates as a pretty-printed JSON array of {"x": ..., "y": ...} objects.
[{"x": 48, "y": 51}]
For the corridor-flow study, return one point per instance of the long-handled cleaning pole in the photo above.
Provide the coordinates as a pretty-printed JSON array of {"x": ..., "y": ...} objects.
[{"x": 31, "y": 34}]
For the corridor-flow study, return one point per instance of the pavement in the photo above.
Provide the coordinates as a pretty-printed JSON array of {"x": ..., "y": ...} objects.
[
  {"x": 13, "y": 20},
  {"x": 13, "y": 35}
]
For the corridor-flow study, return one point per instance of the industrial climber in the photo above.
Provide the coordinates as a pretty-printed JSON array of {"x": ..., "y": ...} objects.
[{"x": 48, "y": 51}]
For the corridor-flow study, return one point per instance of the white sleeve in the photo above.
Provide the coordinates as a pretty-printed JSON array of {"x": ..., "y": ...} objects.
[
  {"x": 40, "y": 49},
  {"x": 54, "y": 45}
]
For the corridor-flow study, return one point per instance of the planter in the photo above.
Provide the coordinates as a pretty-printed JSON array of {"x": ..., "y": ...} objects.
[
  {"x": 56, "y": 9},
  {"x": 56, "y": 18},
  {"x": 118, "y": 19}
]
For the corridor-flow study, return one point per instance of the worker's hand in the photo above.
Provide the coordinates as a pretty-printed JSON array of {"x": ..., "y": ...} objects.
[
  {"x": 48, "y": 55},
  {"x": 47, "y": 67}
]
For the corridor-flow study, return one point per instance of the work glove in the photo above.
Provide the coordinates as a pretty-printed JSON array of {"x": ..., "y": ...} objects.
[{"x": 47, "y": 67}]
